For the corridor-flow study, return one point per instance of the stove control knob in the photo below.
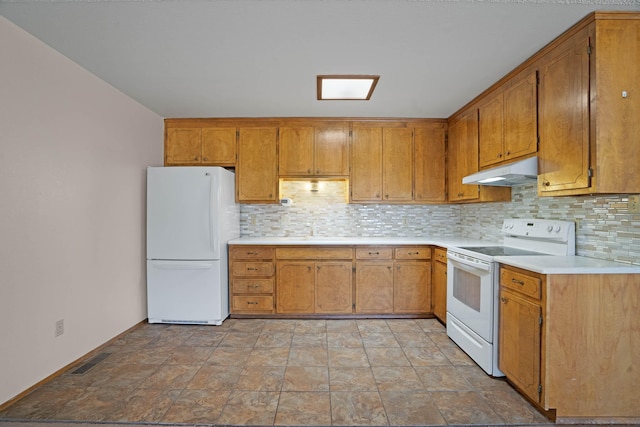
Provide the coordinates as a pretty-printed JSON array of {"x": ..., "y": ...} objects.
[
  {"x": 549, "y": 228},
  {"x": 557, "y": 228}
]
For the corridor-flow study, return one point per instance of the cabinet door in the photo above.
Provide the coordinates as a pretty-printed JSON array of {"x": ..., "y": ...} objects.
[
  {"x": 463, "y": 156},
  {"x": 183, "y": 146},
  {"x": 256, "y": 174},
  {"x": 521, "y": 117},
  {"x": 429, "y": 164},
  {"x": 563, "y": 159},
  {"x": 295, "y": 156},
  {"x": 333, "y": 287},
  {"x": 295, "y": 287},
  {"x": 490, "y": 131},
  {"x": 439, "y": 290},
  {"x": 219, "y": 146},
  {"x": 397, "y": 164},
  {"x": 366, "y": 164},
  {"x": 331, "y": 151},
  {"x": 412, "y": 287},
  {"x": 374, "y": 287},
  {"x": 520, "y": 334}
]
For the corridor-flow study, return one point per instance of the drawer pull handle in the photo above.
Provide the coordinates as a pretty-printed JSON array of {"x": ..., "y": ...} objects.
[
  {"x": 414, "y": 253},
  {"x": 252, "y": 303},
  {"x": 519, "y": 282},
  {"x": 374, "y": 253},
  {"x": 254, "y": 286},
  {"x": 252, "y": 253},
  {"x": 252, "y": 269}
]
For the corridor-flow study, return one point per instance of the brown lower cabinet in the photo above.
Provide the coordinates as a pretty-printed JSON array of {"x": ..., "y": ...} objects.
[
  {"x": 322, "y": 280},
  {"x": 569, "y": 342}
]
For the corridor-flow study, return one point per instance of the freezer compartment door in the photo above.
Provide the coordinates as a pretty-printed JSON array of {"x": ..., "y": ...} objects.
[
  {"x": 182, "y": 209},
  {"x": 190, "y": 292}
]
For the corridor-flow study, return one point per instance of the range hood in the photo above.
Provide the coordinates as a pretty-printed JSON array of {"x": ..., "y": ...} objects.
[{"x": 517, "y": 173}]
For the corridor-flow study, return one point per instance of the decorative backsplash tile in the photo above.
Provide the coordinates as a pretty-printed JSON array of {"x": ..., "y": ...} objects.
[{"x": 604, "y": 227}]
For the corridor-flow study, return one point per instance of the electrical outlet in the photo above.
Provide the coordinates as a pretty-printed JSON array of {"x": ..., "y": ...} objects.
[
  {"x": 253, "y": 220},
  {"x": 59, "y": 327},
  {"x": 634, "y": 203}
]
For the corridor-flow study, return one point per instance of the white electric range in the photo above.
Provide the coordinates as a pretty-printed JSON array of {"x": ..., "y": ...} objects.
[{"x": 473, "y": 283}]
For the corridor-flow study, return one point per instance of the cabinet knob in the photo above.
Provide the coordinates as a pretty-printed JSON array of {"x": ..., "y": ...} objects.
[
  {"x": 503, "y": 299},
  {"x": 205, "y": 159},
  {"x": 318, "y": 171},
  {"x": 195, "y": 158},
  {"x": 308, "y": 170},
  {"x": 500, "y": 155},
  {"x": 546, "y": 183},
  {"x": 508, "y": 153}
]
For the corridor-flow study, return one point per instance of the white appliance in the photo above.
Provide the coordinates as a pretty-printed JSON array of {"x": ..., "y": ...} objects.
[
  {"x": 473, "y": 283},
  {"x": 191, "y": 215}
]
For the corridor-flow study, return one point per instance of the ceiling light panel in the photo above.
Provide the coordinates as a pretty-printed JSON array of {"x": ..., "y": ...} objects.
[{"x": 346, "y": 87}]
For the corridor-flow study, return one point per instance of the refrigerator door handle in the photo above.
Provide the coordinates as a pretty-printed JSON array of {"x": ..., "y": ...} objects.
[
  {"x": 213, "y": 206},
  {"x": 182, "y": 265}
]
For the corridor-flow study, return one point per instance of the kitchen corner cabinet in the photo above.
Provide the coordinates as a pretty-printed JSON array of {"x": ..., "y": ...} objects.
[
  {"x": 507, "y": 122},
  {"x": 309, "y": 151},
  {"x": 589, "y": 134},
  {"x": 381, "y": 163},
  {"x": 462, "y": 160},
  {"x": 439, "y": 284},
  {"x": 198, "y": 145},
  {"x": 569, "y": 342},
  {"x": 256, "y": 172}
]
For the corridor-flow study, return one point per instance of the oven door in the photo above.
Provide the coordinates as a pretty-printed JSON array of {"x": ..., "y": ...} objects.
[{"x": 470, "y": 289}]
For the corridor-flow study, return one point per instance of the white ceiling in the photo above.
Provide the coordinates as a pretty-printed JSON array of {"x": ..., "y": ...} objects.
[{"x": 260, "y": 58}]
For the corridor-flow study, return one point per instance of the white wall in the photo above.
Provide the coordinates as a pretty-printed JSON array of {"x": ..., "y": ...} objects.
[{"x": 73, "y": 153}]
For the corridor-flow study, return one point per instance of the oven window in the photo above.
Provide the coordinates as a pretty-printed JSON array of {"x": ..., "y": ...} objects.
[{"x": 466, "y": 289}]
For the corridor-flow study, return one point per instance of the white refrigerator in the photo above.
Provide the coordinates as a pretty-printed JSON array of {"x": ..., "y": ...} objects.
[{"x": 191, "y": 215}]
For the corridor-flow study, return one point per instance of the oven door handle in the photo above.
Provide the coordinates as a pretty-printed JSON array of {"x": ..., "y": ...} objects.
[{"x": 462, "y": 261}]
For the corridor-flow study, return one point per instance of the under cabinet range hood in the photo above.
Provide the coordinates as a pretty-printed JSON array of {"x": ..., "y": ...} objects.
[{"x": 517, "y": 173}]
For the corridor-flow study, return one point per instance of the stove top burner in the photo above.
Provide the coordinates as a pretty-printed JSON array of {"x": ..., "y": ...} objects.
[{"x": 501, "y": 251}]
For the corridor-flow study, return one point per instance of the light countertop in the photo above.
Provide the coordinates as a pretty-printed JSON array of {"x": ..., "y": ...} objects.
[
  {"x": 568, "y": 265},
  {"x": 445, "y": 242},
  {"x": 540, "y": 264}
]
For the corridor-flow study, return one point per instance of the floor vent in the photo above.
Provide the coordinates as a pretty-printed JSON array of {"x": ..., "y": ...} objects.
[{"x": 90, "y": 363}]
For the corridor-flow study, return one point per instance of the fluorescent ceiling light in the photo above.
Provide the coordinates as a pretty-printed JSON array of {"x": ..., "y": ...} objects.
[{"x": 346, "y": 87}]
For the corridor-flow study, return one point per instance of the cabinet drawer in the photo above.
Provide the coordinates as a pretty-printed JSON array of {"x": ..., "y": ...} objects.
[
  {"x": 252, "y": 303},
  {"x": 314, "y": 253},
  {"x": 420, "y": 252},
  {"x": 522, "y": 283},
  {"x": 374, "y": 253},
  {"x": 253, "y": 269},
  {"x": 252, "y": 286},
  {"x": 251, "y": 252},
  {"x": 440, "y": 254}
]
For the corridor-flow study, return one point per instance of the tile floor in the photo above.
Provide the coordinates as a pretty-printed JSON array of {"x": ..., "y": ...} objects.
[{"x": 283, "y": 373}]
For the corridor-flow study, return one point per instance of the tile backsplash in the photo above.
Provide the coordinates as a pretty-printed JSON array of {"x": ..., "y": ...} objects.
[{"x": 604, "y": 227}]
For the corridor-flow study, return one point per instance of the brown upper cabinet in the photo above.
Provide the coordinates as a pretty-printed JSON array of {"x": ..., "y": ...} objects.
[
  {"x": 589, "y": 127},
  {"x": 429, "y": 169},
  {"x": 308, "y": 151},
  {"x": 398, "y": 162},
  {"x": 194, "y": 145},
  {"x": 462, "y": 160},
  {"x": 256, "y": 173},
  {"x": 381, "y": 163},
  {"x": 507, "y": 122}
]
